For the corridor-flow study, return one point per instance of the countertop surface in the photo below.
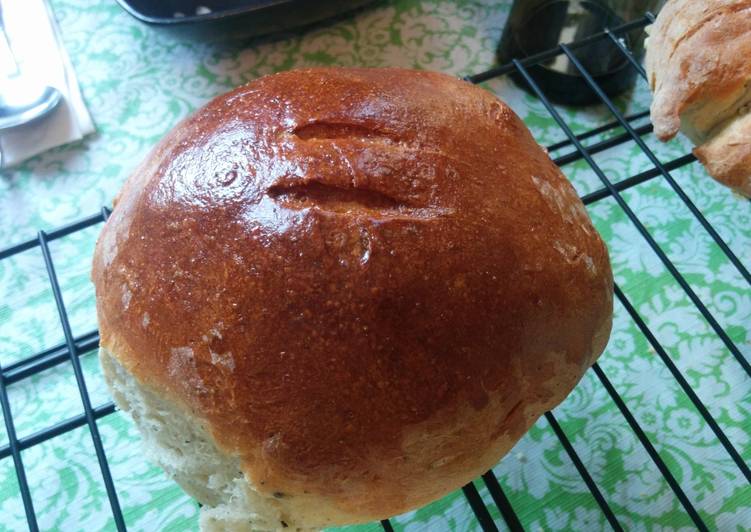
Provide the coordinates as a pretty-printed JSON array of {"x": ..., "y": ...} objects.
[{"x": 139, "y": 81}]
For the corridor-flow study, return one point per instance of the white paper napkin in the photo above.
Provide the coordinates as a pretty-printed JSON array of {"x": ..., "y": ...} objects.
[{"x": 38, "y": 49}]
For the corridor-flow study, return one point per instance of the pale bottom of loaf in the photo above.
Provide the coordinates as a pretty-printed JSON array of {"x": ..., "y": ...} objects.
[
  {"x": 443, "y": 453},
  {"x": 183, "y": 448}
]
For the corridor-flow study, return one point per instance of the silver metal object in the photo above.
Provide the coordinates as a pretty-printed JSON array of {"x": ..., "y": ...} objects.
[
  {"x": 535, "y": 26},
  {"x": 21, "y": 99}
]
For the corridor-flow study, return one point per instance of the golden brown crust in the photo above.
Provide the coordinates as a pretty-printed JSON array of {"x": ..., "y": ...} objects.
[
  {"x": 727, "y": 156},
  {"x": 338, "y": 269},
  {"x": 697, "y": 63}
]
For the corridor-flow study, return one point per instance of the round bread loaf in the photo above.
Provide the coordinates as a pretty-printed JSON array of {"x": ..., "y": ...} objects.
[
  {"x": 698, "y": 67},
  {"x": 333, "y": 295}
]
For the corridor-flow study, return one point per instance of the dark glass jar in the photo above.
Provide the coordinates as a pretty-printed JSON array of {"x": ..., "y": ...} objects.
[{"x": 538, "y": 25}]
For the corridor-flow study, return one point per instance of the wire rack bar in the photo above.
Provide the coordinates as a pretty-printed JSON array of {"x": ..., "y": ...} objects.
[
  {"x": 653, "y": 159},
  {"x": 601, "y": 146},
  {"x": 48, "y": 358},
  {"x": 683, "y": 383},
  {"x": 58, "y": 429},
  {"x": 586, "y": 477},
  {"x": 478, "y": 507},
  {"x": 14, "y": 449},
  {"x": 52, "y": 235},
  {"x": 502, "y": 502},
  {"x": 80, "y": 381},
  {"x": 629, "y": 56},
  {"x": 598, "y": 130},
  {"x": 637, "y": 179},
  {"x": 637, "y": 223},
  {"x": 653, "y": 454},
  {"x": 531, "y": 60}
]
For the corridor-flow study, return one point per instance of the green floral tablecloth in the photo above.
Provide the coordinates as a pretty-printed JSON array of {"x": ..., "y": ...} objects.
[{"x": 139, "y": 81}]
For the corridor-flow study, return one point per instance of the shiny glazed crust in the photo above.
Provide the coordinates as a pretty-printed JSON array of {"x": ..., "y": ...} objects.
[
  {"x": 365, "y": 284},
  {"x": 699, "y": 70}
]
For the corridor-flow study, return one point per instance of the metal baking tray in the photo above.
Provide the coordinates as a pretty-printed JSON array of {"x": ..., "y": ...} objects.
[{"x": 254, "y": 16}]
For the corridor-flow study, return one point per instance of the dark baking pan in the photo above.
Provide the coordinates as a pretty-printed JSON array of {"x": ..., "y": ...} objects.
[{"x": 253, "y": 17}]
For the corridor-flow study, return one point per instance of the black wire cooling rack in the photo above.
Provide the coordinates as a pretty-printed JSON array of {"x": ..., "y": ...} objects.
[{"x": 73, "y": 347}]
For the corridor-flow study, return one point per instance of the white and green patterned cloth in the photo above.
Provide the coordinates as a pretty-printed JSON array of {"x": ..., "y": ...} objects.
[{"x": 139, "y": 81}]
